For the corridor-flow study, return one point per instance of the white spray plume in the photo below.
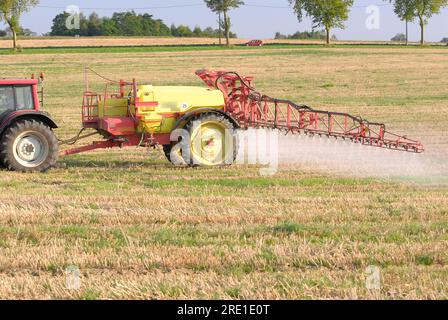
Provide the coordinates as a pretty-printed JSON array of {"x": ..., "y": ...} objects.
[{"x": 340, "y": 157}]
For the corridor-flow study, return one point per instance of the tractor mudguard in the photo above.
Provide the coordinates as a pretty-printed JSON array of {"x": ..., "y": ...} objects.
[
  {"x": 8, "y": 119},
  {"x": 189, "y": 115}
]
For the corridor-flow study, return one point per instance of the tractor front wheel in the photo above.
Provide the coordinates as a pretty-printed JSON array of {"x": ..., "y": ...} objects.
[
  {"x": 29, "y": 145},
  {"x": 212, "y": 141}
]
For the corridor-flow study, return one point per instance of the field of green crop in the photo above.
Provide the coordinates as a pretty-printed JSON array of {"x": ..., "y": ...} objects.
[{"x": 137, "y": 227}]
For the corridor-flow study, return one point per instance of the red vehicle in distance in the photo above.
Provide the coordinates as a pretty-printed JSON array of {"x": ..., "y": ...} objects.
[{"x": 255, "y": 43}]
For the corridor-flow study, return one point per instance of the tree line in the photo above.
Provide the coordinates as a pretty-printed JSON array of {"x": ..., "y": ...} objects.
[
  {"x": 125, "y": 24},
  {"x": 326, "y": 14},
  {"x": 21, "y": 32},
  {"x": 331, "y": 14},
  {"x": 419, "y": 10},
  {"x": 304, "y": 35}
]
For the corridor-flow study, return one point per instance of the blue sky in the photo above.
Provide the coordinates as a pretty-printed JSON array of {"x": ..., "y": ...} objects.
[{"x": 257, "y": 20}]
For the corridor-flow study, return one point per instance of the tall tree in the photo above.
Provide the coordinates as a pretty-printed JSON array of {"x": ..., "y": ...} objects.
[
  {"x": 328, "y": 14},
  {"x": 58, "y": 27},
  {"x": 10, "y": 12},
  {"x": 405, "y": 11},
  {"x": 129, "y": 23},
  {"x": 95, "y": 25},
  {"x": 423, "y": 10},
  {"x": 223, "y": 6}
]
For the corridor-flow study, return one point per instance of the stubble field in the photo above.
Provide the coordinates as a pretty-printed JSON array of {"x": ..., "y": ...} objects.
[{"x": 136, "y": 227}]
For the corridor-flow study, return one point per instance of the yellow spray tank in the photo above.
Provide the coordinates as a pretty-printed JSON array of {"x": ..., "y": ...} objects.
[{"x": 160, "y": 107}]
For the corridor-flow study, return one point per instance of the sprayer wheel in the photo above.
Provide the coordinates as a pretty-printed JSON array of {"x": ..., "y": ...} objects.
[
  {"x": 213, "y": 141},
  {"x": 210, "y": 140}
]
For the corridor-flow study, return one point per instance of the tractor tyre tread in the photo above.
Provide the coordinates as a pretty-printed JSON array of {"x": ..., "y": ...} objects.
[{"x": 7, "y": 141}]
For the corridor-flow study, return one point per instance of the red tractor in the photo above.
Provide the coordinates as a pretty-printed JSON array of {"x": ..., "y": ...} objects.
[{"x": 27, "y": 141}]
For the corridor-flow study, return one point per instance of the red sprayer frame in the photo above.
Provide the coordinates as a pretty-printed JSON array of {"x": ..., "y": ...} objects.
[
  {"x": 250, "y": 109},
  {"x": 113, "y": 138},
  {"x": 254, "y": 110}
]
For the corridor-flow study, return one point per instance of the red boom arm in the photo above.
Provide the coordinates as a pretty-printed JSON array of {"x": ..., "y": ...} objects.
[{"x": 254, "y": 110}]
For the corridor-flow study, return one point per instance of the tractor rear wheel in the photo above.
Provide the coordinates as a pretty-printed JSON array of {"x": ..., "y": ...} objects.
[
  {"x": 29, "y": 145},
  {"x": 213, "y": 141}
]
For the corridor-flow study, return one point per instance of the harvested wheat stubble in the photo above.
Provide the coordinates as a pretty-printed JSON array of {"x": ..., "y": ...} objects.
[{"x": 138, "y": 228}]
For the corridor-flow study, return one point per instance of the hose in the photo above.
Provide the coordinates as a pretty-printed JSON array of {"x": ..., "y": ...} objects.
[
  {"x": 104, "y": 78},
  {"x": 72, "y": 141}
]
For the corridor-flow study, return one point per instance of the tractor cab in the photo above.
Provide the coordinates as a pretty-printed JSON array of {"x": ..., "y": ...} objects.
[{"x": 18, "y": 94}]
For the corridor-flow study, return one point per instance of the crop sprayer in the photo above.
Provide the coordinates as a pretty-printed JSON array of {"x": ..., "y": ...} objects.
[{"x": 194, "y": 125}]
